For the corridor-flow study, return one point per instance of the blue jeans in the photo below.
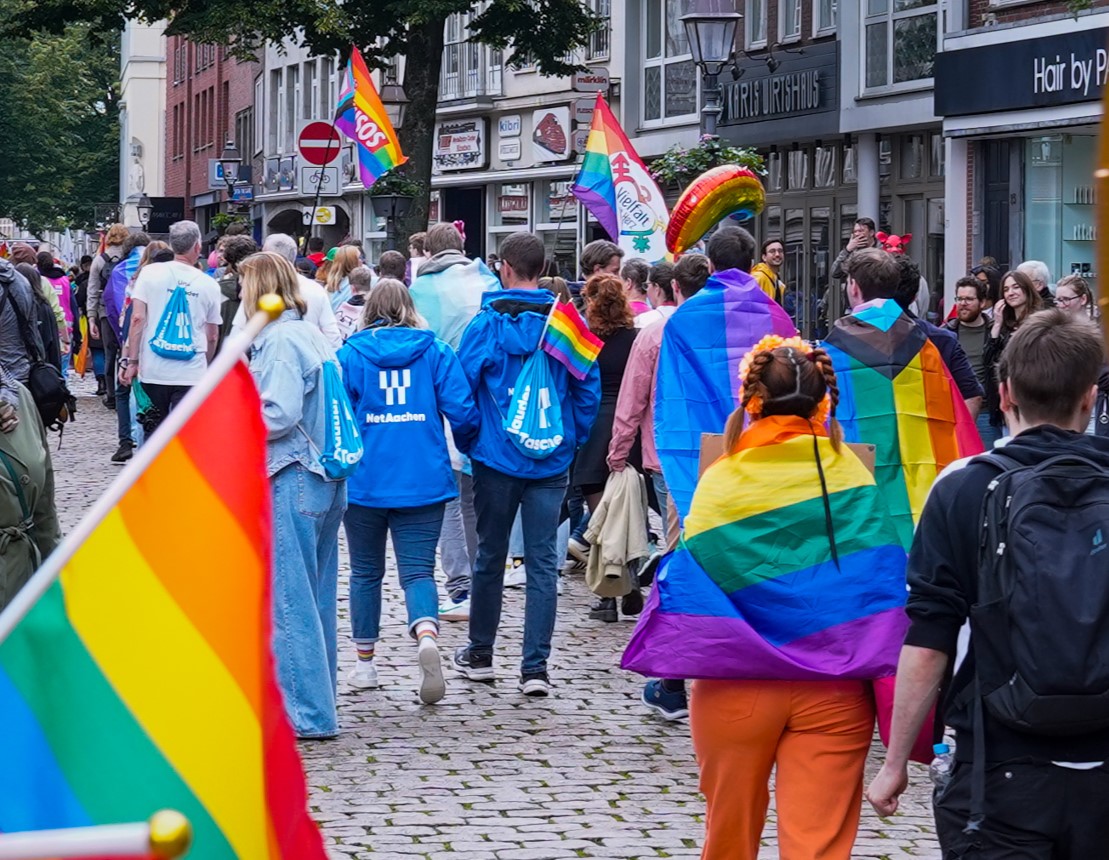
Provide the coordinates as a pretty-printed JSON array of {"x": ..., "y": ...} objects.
[
  {"x": 497, "y": 497},
  {"x": 662, "y": 493},
  {"x": 307, "y": 511},
  {"x": 415, "y": 535},
  {"x": 987, "y": 431}
]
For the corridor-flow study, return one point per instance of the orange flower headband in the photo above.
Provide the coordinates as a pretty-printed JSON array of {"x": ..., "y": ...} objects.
[{"x": 767, "y": 344}]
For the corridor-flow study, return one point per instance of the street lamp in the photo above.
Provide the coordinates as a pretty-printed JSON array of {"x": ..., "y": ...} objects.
[
  {"x": 145, "y": 208},
  {"x": 229, "y": 162},
  {"x": 711, "y": 38},
  {"x": 395, "y": 100}
]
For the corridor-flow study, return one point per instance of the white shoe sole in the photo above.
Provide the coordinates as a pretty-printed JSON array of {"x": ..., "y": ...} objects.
[
  {"x": 454, "y": 616},
  {"x": 363, "y": 683},
  {"x": 535, "y": 689},
  {"x": 669, "y": 716},
  {"x": 432, "y": 685},
  {"x": 577, "y": 552}
]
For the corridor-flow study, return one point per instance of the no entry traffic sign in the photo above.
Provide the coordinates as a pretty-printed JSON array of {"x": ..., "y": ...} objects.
[{"x": 319, "y": 143}]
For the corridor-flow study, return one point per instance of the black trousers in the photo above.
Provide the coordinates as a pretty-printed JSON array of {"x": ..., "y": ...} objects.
[
  {"x": 164, "y": 398},
  {"x": 1033, "y": 812}
]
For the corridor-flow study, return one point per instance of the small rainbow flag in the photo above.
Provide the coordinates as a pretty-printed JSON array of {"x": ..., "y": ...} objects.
[
  {"x": 569, "y": 340},
  {"x": 360, "y": 115},
  {"x": 143, "y": 679},
  {"x": 615, "y": 186}
]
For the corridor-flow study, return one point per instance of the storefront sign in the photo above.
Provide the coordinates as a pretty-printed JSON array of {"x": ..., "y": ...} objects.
[
  {"x": 798, "y": 100},
  {"x": 512, "y": 203},
  {"x": 592, "y": 81},
  {"x": 1054, "y": 70},
  {"x": 460, "y": 145},
  {"x": 581, "y": 138},
  {"x": 163, "y": 212},
  {"x": 550, "y": 135},
  {"x": 583, "y": 110},
  {"x": 509, "y": 126},
  {"x": 509, "y": 150}
]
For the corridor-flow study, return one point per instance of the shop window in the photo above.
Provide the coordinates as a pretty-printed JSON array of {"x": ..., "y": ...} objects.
[
  {"x": 670, "y": 78},
  {"x": 789, "y": 19},
  {"x": 912, "y": 156},
  {"x": 774, "y": 172},
  {"x": 900, "y": 39},
  {"x": 824, "y": 167},
  {"x": 557, "y": 203},
  {"x": 850, "y": 176},
  {"x": 797, "y": 173},
  {"x": 824, "y": 17},
  {"x": 598, "y": 45},
  {"x": 755, "y": 23},
  {"x": 512, "y": 205}
]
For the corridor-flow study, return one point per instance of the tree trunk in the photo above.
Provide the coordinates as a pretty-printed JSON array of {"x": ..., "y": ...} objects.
[{"x": 417, "y": 135}]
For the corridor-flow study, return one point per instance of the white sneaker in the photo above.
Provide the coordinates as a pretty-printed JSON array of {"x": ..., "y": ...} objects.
[
  {"x": 455, "y": 610},
  {"x": 363, "y": 675},
  {"x": 578, "y": 550},
  {"x": 432, "y": 685},
  {"x": 516, "y": 577},
  {"x": 560, "y": 584}
]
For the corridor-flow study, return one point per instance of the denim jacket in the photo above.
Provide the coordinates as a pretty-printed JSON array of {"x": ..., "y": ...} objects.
[{"x": 287, "y": 360}]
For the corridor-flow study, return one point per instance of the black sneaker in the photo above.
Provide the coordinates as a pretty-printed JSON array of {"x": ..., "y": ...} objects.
[
  {"x": 647, "y": 572},
  {"x": 631, "y": 603},
  {"x": 473, "y": 666},
  {"x": 604, "y": 610},
  {"x": 123, "y": 453},
  {"x": 535, "y": 684}
]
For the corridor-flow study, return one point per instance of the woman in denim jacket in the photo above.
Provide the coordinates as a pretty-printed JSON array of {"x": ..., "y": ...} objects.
[{"x": 287, "y": 363}]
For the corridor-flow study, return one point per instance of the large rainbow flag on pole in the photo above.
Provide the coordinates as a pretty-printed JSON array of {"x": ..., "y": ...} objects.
[
  {"x": 698, "y": 370},
  {"x": 360, "y": 115},
  {"x": 898, "y": 395},
  {"x": 142, "y": 678},
  {"x": 615, "y": 186},
  {"x": 754, "y": 589}
]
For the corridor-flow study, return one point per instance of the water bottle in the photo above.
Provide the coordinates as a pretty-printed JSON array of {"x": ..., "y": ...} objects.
[{"x": 942, "y": 765}]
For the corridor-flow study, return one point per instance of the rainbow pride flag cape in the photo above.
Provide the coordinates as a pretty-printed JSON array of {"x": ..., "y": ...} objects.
[
  {"x": 898, "y": 395},
  {"x": 569, "y": 340},
  {"x": 616, "y": 187},
  {"x": 143, "y": 679},
  {"x": 753, "y": 590},
  {"x": 360, "y": 115},
  {"x": 698, "y": 370}
]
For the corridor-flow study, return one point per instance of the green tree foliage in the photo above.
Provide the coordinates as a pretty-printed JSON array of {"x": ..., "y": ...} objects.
[
  {"x": 546, "y": 31},
  {"x": 59, "y": 126}
]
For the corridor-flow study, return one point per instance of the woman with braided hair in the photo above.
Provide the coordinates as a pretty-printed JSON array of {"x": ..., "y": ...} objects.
[{"x": 785, "y": 596}]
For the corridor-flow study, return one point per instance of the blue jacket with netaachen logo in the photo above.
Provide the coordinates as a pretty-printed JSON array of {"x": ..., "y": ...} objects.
[
  {"x": 402, "y": 383},
  {"x": 493, "y": 350}
]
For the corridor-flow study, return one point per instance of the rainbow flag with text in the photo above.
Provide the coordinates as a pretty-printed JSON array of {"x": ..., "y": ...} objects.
[
  {"x": 360, "y": 115},
  {"x": 143, "y": 679}
]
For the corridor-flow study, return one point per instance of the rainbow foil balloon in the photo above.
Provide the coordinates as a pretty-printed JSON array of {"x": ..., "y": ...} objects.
[{"x": 722, "y": 191}]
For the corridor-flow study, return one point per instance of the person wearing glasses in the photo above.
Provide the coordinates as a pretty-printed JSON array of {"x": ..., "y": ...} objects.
[
  {"x": 1073, "y": 295},
  {"x": 972, "y": 328}
]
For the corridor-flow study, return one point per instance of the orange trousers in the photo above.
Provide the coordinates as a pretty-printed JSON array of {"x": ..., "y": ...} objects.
[{"x": 816, "y": 732}]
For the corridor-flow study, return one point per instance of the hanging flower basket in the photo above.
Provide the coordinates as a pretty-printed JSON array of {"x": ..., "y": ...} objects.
[{"x": 681, "y": 165}]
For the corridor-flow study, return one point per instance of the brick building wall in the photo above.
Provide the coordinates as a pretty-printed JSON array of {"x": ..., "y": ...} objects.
[
  {"x": 206, "y": 92},
  {"x": 987, "y": 13}
]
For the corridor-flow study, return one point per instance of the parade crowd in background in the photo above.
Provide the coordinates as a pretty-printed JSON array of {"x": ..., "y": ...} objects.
[{"x": 759, "y": 501}]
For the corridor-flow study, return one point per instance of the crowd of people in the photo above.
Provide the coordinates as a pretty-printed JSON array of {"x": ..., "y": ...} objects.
[{"x": 779, "y": 572}]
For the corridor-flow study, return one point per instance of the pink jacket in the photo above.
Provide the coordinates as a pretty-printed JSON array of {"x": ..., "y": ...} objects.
[{"x": 635, "y": 407}]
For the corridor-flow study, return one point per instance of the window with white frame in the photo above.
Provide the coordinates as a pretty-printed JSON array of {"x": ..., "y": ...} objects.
[
  {"x": 311, "y": 91},
  {"x": 292, "y": 98},
  {"x": 899, "y": 41},
  {"x": 755, "y": 23},
  {"x": 670, "y": 78},
  {"x": 451, "y": 84},
  {"x": 468, "y": 66},
  {"x": 824, "y": 16},
  {"x": 789, "y": 20},
  {"x": 598, "y": 46}
]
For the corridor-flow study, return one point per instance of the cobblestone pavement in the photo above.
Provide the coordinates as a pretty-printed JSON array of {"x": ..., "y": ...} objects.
[{"x": 487, "y": 773}]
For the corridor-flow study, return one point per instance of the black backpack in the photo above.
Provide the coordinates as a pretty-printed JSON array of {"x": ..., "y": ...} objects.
[
  {"x": 1041, "y": 625},
  {"x": 45, "y": 381}
]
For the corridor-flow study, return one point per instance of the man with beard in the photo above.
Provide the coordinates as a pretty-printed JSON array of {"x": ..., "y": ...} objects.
[{"x": 973, "y": 330}]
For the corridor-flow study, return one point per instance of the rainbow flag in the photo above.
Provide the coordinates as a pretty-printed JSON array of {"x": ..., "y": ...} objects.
[
  {"x": 616, "y": 187},
  {"x": 754, "y": 590},
  {"x": 569, "y": 340},
  {"x": 898, "y": 395},
  {"x": 360, "y": 115},
  {"x": 143, "y": 679},
  {"x": 698, "y": 370}
]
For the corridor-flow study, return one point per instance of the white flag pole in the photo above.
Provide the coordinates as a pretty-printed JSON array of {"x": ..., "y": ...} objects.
[
  {"x": 166, "y": 835},
  {"x": 234, "y": 348}
]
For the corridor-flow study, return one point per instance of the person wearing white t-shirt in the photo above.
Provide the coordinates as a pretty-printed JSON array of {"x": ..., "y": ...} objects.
[
  {"x": 167, "y": 380},
  {"x": 319, "y": 311}
]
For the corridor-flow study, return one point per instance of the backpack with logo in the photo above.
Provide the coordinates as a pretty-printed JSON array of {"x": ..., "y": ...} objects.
[
  {"x": 45, "y": 381},
  {"x": 343, "y": 448},
  {"x": 534, "y": 418},
  {"x": 1039, "y": 627},
  {"x": 173, "y": 335}
]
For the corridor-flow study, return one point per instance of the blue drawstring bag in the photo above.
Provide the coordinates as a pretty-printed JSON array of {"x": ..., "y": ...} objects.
[
  {"x": 343, "y": 449},
  {"x": 173, "y": 336},
  {"x": 534, "y": 418}
]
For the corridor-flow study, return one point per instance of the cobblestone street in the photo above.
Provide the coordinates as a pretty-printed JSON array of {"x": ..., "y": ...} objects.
[{"x": 488, "y": 773}]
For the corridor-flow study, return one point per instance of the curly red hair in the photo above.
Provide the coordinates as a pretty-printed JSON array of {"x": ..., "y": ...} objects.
[{"x": 606, "y": 306}]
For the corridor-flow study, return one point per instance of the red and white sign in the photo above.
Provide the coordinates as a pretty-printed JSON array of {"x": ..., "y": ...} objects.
[
  {"x": 319, "y": 143},
  {"x": 591, "y": 81}
]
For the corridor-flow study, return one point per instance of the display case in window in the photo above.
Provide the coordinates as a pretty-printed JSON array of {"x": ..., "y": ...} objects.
[
  {"x": 1060, "y": 223},
  {"x": 512, "y": 206}
]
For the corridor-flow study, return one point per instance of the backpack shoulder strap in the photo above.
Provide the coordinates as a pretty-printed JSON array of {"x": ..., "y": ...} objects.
[{"x": 24, "y": 327}]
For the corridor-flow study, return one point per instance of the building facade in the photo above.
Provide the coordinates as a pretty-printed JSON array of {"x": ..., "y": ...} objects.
[{"x": 142, "y": 112}]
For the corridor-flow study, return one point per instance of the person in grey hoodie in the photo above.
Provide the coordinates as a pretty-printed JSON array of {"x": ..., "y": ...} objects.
[
  {"x": 14, "y": 356},
  {"x": 98, "y": 314}
]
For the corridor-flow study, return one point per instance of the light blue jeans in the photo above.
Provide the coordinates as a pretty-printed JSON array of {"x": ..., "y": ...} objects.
[
  {"x": 454, "y": 550},
  {"x": 662, "y": 493},
  {"x": 307, "y": 511},
  {"x": 415, "y": 532},
  {"x": 987, "y": 431}
]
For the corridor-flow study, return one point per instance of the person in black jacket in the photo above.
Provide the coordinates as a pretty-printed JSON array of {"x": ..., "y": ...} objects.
[{"x": 1045, "y": 796}]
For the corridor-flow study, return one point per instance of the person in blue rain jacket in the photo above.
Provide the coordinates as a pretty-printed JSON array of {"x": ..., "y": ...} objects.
[{"x": 402, "y": 382}]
